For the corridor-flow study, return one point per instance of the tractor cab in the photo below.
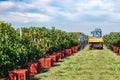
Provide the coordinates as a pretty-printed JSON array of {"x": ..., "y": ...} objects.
[{"x": 97, "y": 33}]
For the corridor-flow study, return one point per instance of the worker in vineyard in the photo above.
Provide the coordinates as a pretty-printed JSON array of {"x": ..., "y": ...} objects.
[{"x": 82, "y": 41}]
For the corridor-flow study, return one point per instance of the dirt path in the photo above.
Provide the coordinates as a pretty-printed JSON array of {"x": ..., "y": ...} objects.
[{"x": 85, "y": 65}]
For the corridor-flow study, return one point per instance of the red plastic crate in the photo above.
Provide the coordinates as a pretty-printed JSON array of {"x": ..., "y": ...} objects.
[
  {"x": 41, "y": 62},
  {"x": 2, "y": 79},
  {"x": 53, "y": 58},
  {"x": 45, "y": 62},
  {"x": 18, "y": 74},
  {"x": 32, "y": 67}
]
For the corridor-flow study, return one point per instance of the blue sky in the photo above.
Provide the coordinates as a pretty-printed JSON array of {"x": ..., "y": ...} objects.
[{"x": 67, "y": 15}]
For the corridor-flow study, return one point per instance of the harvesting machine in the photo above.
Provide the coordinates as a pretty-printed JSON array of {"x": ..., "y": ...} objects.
[{"x": 96, "y": 41}]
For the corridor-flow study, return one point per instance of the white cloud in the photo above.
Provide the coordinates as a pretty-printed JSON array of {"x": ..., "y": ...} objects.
[
  {"x": 48, "y": 9},
  {"x": 24, "y": 6},
  {"x": 40, "y": 5},
  {"x": 25, "y": 17},
  {"x": 68, "y": 15},
  {"x": 6, "y": 5},
  {"x": 20, "y": 14},
  {"x": 115, "y": 17},
  {"x": 96, "y": 5},
  {"x": 76, "y": 9}
]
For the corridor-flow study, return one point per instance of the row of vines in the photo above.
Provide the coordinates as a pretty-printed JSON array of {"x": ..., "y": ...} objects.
[
  {"x": 112, "y": 39},
  {"x": 22, "y": 45}
]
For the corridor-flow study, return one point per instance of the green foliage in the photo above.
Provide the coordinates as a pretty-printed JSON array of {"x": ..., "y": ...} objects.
[
  {"x": 8, "y": 59},
  {"x": 112, "y": 39},
  {"x": 33, "y": 43}
]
